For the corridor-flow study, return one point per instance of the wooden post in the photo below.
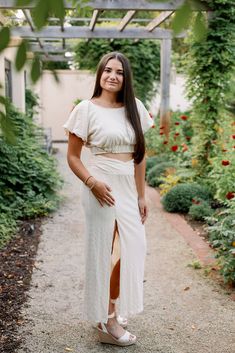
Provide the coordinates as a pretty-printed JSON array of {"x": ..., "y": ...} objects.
[{"x": 165, "y": 86}]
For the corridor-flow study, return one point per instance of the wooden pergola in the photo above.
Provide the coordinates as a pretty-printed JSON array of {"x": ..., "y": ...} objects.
[{"x": 54, "y": 39}]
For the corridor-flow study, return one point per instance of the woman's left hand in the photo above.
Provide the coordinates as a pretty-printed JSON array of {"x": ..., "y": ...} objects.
[{"x": 143, "y": 209}]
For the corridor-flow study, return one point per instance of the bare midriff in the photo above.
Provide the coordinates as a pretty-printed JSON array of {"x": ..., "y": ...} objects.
[{"x": 120, "y": 156}]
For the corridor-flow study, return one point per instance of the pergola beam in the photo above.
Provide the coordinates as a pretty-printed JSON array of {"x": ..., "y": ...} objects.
[
  {"x": 49, "y": 48},
  {"x": 55, "y": 58},
  {"x": 126, "y": 19},
  {"x": 137, "y": 5},
  {"x": 85, "y": 32},
  {"x": 30, "y": 22},
  {"x": 94, "y": 19},
  {"x": 158, "y": 20}
]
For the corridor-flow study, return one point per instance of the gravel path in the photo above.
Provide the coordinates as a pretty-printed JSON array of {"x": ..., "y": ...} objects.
[{"x": 185, "y": 312}]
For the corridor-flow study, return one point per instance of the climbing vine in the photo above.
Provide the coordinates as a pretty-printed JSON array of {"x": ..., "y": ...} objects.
[{"x": 211, "y": 63}]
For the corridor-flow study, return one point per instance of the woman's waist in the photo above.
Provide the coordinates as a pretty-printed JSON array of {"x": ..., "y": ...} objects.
[
  {"x": 124, "y": 157},
  {"x": 109, "y": 165},
  {"x": 115, "y": 149}
]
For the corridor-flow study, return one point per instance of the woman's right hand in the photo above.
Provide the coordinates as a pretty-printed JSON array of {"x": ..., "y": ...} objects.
[{"x": 102, "y": 193}]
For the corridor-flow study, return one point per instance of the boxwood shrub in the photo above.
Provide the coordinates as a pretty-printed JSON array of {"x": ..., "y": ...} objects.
[
  {"x": 180, "y": 197},
  {"x": 156, "y": 171},
  {"x": 200, "y": 210},
  {"x": 154, "y": 160}
]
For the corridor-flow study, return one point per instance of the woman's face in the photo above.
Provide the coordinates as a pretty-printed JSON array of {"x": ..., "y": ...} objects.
[{"x": 112, "y": 77}]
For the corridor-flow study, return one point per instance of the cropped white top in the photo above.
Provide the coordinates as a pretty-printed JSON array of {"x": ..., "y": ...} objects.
[{"x": 105, "y": 130}]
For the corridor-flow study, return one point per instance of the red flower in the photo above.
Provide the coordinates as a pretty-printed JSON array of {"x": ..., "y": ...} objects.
[
  {"x": 177, "y": 123},
  {"x": 230, "y": 195},
  {"x": 224, "y": 150},
  {"x": 196, "y": 202},
  {"x": 151, "y": 115},
  {"x": 165, "y": 142},
  {"x": 177, "y": 134},
  {"x": 188, "y": 138},
  {"x": 225, "y": 162},
  {"x": 174, "y": 148},
  {"x": 162, "y": 127},
  {"x": 153, "y": 126},
  {"x": 161, "y": 133},
  {"x": 184, "y": 117},
  {"x": 233, "y": 136}
]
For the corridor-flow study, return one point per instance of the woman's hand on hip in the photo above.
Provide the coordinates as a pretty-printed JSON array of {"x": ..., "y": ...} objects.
[
  {"x": 143, "y": 209},
  {"x": 102, "y": 193}
]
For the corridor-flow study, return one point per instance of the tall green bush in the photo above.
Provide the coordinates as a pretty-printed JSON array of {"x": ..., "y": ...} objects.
[
  {"x": 144, "y": 57},
  {"x": 210, "y": 70},
  {"x": 28, "y": 179},
  {"x": 222, "y": 237}
]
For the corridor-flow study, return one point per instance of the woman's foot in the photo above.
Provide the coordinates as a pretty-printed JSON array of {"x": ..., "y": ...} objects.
[{"x": 114, "y": 333}]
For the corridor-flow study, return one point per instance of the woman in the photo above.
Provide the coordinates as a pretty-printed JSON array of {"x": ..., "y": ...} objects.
[{"x": 112, "y": 124}]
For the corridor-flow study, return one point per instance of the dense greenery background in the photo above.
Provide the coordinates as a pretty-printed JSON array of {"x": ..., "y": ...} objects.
[{"x": 29, "y": 179}]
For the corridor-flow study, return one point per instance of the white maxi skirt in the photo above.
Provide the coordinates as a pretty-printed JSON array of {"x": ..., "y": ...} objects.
[{"x": 99, "y": 230}]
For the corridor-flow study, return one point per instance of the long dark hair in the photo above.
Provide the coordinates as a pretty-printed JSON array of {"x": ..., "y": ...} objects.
[{"x": 127, "y": 97}]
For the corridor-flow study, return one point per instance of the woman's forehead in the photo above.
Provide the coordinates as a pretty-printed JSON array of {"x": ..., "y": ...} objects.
[{"x": 114, "y": 63}]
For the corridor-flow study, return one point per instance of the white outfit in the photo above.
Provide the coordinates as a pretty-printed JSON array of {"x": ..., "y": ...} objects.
[{"x": 106, "y": 130}]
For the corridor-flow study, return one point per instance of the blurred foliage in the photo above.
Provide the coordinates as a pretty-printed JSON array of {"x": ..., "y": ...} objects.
[
  {"x": 31, "y": 102},
  {"x": 210, "y": 67},
  {"x": 55, "y": 65},
  {"x": 29, "y": 180},
  {"x": 222, "y": 238}
]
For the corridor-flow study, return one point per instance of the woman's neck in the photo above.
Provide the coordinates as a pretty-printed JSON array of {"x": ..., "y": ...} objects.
[{"x": 109, "y": 98}]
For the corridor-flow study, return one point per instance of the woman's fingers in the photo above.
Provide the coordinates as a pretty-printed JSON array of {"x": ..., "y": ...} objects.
[
  {"x": 108, "y": 187},
  {"x": 143, "y": 213}
]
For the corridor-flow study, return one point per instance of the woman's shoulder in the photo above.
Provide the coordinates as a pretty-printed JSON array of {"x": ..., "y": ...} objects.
[
  {"x": 139, "y": 103},
  {"x": 82, "y": 103}
]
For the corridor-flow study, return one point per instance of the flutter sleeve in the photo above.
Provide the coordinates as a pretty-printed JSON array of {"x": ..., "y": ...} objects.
[
  {"x": 78, "y": 121},
  {"x": 145, "y": 118}
]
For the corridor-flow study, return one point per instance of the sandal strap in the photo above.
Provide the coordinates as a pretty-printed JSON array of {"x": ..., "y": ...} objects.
[{"x": 126, "y": 337}]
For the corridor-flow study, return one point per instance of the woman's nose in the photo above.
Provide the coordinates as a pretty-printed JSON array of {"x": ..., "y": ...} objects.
[{"x": 112, "y": 75}]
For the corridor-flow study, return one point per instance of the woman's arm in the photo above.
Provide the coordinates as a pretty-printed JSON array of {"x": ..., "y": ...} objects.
[
  {"x": 140, "y": 185},
  {"x": 100, "y": 190}
]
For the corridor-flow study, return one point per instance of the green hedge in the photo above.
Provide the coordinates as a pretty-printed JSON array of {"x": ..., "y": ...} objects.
[
  {"x": 29, "y": 179},
  {"x": 180, "y": 197},
  {"x": 156, "y": 171}
]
